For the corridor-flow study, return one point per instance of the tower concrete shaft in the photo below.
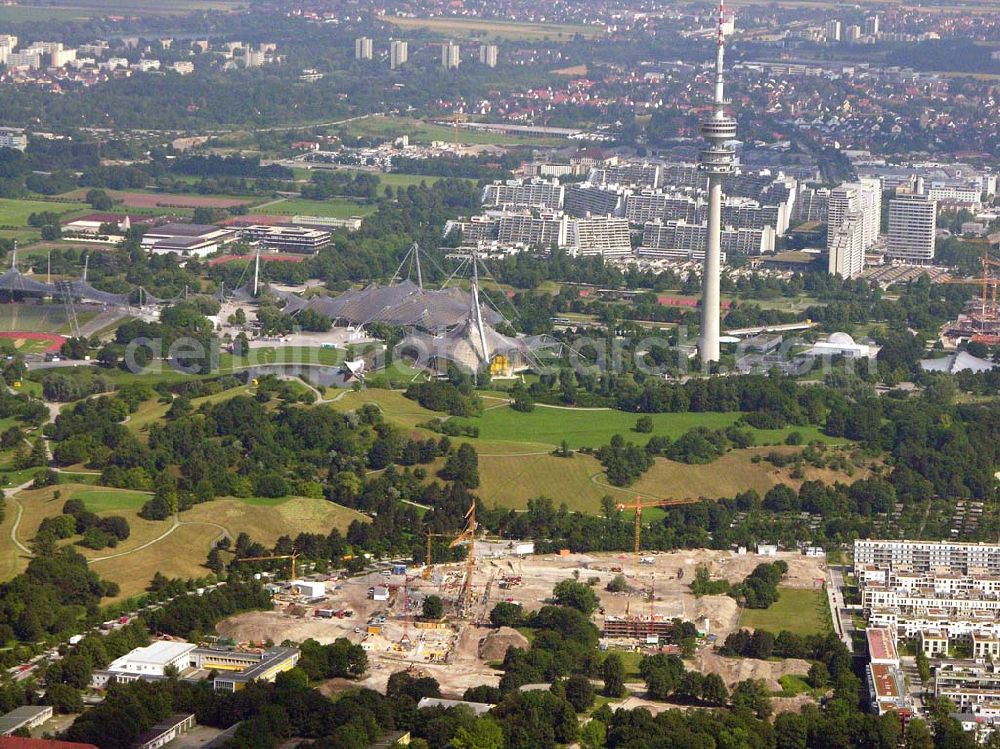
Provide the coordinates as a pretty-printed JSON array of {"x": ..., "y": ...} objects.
[{"x": 717, "y": 162}]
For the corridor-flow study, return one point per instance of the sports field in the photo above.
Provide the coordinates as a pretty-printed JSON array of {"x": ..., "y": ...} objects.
[
  {"x": 494, "y": 29},
  {"x": 424, "y": 132},
  {"x": 803, "y": 611},
  {"x": 37, "y": 318},
  {"x": 336, "y": 208}
]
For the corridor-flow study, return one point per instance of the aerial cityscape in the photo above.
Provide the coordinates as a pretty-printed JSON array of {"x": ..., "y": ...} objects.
[{"x": 462, "y": 375}]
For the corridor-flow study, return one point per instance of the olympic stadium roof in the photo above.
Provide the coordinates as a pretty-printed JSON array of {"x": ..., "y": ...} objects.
[{"x": 404, "y": 304}]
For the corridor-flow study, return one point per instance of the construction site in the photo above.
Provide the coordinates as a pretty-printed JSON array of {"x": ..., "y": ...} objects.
[
  {"x": 382, "y": 609},
  {"x": 980, "y": 321}
]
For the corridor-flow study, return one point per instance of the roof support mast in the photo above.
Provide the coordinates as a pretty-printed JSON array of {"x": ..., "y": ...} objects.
[{"x": 475, "y": 306}]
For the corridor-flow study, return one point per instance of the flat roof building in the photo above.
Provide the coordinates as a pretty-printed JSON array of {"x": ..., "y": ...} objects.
[
  {"x": 286, "y": 238},
  {"x": 153, "y": 660},
  {"x": 28, "y": 716},
  {"x": 187, "y": 239},
  {"x": 165, "y": 731}
]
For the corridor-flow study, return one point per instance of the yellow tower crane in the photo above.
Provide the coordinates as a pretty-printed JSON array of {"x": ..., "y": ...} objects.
[
  {"x": 293, "y": 556},
  {"x": 467, "y": 536}
]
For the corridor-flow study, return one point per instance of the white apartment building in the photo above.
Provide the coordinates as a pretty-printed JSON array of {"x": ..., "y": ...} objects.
[
  {"x": 912, "y": 228},
  {"x": 864, "y": 197},
  {"x": 13, "y": 137},
  {"x": 833, "y": 31},
  {"x": 515, "y": 193},
  {"x": 599, "y": 235},
  {"x": 544, "y": 230},
  {"x": 27, "y": 60},
  {"x": 451, "y": 55},
  {"x": 632, "y": 174},
  {"x": 587, "y": 199},
  {"x": 363, "y": 48},
  {"x": 847, "y": 247},
  {"x": 924, "y": 556},
  {"x": 399, "y": 53},
  {"x": 682, "y": 235},
  {"x": 488, "y": 54},
  {"x": 967, "y": 195}
]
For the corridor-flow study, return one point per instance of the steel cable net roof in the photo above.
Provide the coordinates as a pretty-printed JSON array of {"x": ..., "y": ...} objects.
[
  {"x": 293, "y": 302},
  {"x": 84, "y": 290},
  {"x": 404, "y": 304},
  {"x": 463, "y": 345},
  {"x": 13, "y": 281}
]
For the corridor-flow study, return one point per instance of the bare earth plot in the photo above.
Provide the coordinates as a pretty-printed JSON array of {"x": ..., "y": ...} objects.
[{"x": 452, "y": 654}]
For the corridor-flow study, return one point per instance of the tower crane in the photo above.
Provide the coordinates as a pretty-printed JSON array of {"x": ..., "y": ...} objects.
[
  {"x": 987, "y": 285},
  {"x": 467, "y": 536},
  {"x": 293, "y": 556},
  {"x": 639, "y": 506},
  {"x": 428, "y": 566}
]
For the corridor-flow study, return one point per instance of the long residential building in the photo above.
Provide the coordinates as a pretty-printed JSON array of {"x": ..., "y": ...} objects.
[
  {"x": 631, "y": 174},
  {"x": 542, "y": 229},
  {"x": 516, "y": 193},
  {"x": 924, "y": 556},
  {"x": 681, "y": 235},
  {"x": 599, "y": 235},
  {"x": 591, "y": 199}
]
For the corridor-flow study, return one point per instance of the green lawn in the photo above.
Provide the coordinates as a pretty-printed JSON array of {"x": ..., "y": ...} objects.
[
  {"x": 283, "y": 355},
  {"x": 106, "y": 500},
  {"x": 803, "y": 611},
  {"x": 16, "y": 212},
  {"x": 582, "y": 428},
  {"x": 793, "y": 685},
  {"x": 336, "y": 208},
  {"x": 386, "y": 179}
]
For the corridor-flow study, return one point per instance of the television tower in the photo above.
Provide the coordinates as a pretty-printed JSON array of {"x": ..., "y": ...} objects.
[{"x": 717, "y": 162}]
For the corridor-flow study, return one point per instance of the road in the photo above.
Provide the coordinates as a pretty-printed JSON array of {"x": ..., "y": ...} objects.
[{"x": 843, "y": 622}]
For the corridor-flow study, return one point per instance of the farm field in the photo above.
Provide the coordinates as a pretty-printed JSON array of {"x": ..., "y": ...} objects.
[
  {"x": 493, "y": 29},
  {"x": 16, "y": 212},
  {"x": 151, "y": 201},
  {"x": 803, "y": 611},
  {"x": 423, "y": 132},
  {"x": 68, "y": 10},
  {"x": 336, "y": 208}
]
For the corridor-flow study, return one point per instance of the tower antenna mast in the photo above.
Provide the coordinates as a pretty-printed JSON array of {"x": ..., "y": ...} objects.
[{"x": 716, "y": 162}]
